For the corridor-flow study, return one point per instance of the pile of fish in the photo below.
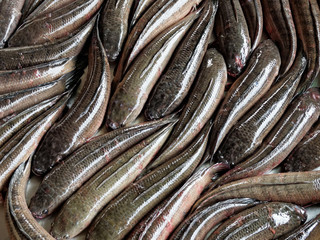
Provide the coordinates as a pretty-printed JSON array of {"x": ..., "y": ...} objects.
[{"x": 160, "y": 119}]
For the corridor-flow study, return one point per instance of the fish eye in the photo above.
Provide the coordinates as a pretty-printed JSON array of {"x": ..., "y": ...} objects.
[{"x": 45, "y": 211}]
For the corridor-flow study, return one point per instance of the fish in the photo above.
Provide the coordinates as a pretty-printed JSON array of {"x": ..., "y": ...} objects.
[
  {"x": 58, "y": 185},
  {"x": 81, "y": 208},
  {"x": 85, "y": 117},
  {"x": 264, "y": 221},
  {"x": 174, "y": 85},
  {"x": 142, "y": 6},
  {"x": 203, "y": 100},
  {"x": 131, "y": 94}
]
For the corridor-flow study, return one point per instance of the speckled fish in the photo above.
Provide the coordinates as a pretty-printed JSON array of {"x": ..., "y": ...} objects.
[
  {"x": 197, "y": 225},
  {"x": 307, "y": 231},
  {"x": 10, "y": 13},
  {"x": 247, "y": 134},
  {"x": 306, "y": 155},
  {"x": 57, "y": 25},
  {"x": 62, "y": 181},
  {"x": 21, "y": 57},
  {"x": 84, "y": 118},
  {"x": 9, "y": 128},
  {"x": 21, "y": 151},
  {"x": 168, "y": 217},
  {"x": 160, "y": 16},
  {"x": 114, "y": 26},
  {"x": 131, "y": 94},
  {"x": 175, "y": 83},
  {"x": 80, "y": 209},
  {"x": 263, "y": 222},
  {"x": 252, "y": 11},
  {"x": 233, "y": 35},
  {"x": 203, "y": 100},
  {"x": 300, "y": 188},
  {"x": 21, "y": 100},
  {"x": 306, "y": 15},
  {"x": 128, "y": 208},
  {"x": 286, "y": 134},
  {"x": 16, "y": 80},
  {"x": 254, "y": 82},
  {"x": 280, "y": 26},
  {"x": 19, "y": 208},
  {"x": 142, "y": 6}
]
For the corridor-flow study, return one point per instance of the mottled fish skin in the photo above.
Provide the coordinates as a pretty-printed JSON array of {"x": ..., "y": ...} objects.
[
  {"x": 126, "y": 210},
  {"x": 300, "y": 188},
  {"x": 10, "y": 13},
  {"x": 59, "y": 184},
  {"x": 131, "y": 94},
  {"x": 21, "y": 100},
  {"x": 247, "y": 134},
  {"x": 306, "y": 15},
  {"x": 233, "y": 35},
  {"x": 21, "y": 151},
  {"x": 114, "y": 26},
  {"x": 142, "y": 6},
  {"x": 203, "y": 100},
  {"x": 16, "y": 80},
  {"x": 301, "y": 114},
  {"x": 252, "y": 11},
  {"x": 57, "y": 25},
  {"x": 262, "y": 222},
  {"x": 253, "y": 83},
  {"x": 21, "y": 57},
  {"x": 9, "y": 128},
  {"x": 174, "y": 211},
  {"x": 198, "y": 224},
  {"x": 280, "y": 26},
  {"x": 80, "y": 209},
  {"x": 174, "y": 85},
  {"x": 307, "y": 231},
  {"x": 306, "y": 155},
  {"x": 84, "y": 118},
  {"x": 19, "y": 208}
]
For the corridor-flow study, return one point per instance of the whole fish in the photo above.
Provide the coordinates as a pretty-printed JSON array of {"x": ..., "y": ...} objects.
[
  {"x": 142, "y": 6},
  {"x": 168, "y": 217},
  {"x": 300, "y": 188},
  {"x": 21, "y": 100},
  {"x": 18, "y": 205},
  {"x": 21, "y": 151},
  {"x": 114, "y": 26},
  {"x": 203, "y": 100},
  {"x": 306, "y": 15},
  {"x": 57, "y": 25},
  {"x": 84, "y": 118},
  {"x": 128, "y": 208},
  {"x": 262, "y": 222},
  {"x": 21, "y": 57},
  {"x": 131, "y": 94},
  {"x": 62, "y": 181},
  {"x": 233, "y": 35},
  {"x": 253, "y": 83},
  {"x": 287, "y": 133},
  {"x": 16, "y": 80},
  {"x": 80, "y": 209},
  {"x": 197, "y": 225},
  {"x": 9, "y": 128},
  {"x": 175, "y": 83},
  {"x": 252, "y": 11},
  {"x": 10, "y": 13},
  {"x": 247, "y": 134},
  {"x": 280, "y": 26},
  {"x": 306, "y": 155},
  {"x": 307, "y": 231}
]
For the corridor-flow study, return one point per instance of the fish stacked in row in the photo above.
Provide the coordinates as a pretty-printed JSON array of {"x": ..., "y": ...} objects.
[{"x": 207, "y": 96}]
